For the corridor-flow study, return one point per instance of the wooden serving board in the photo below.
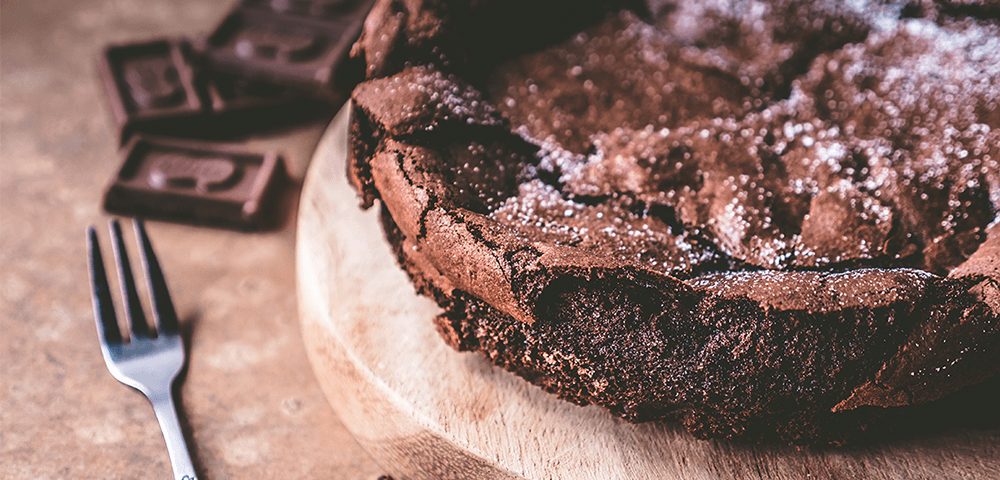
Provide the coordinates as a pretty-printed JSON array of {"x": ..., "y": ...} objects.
[{"x": 424, "y": 411}]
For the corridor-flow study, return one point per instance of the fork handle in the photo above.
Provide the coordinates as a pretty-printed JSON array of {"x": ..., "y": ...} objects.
[{"x": 180, "y": 459}]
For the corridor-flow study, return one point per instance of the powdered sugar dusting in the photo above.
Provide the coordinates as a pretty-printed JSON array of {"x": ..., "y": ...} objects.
[{"x": 885, "y": 150}]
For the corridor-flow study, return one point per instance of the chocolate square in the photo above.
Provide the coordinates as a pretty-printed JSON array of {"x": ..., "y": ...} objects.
[
  {"x": 243, "y": 106},
  {"x": 156, "y": 88},
  {"x": 196, "y": 182},
  {"x": 150, "y": 84},
  {"x": 304, "y": 43},
  {"x": 231, "y": 94}
]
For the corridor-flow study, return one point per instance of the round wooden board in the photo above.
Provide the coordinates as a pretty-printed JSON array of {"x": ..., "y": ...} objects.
[{"x": 425, "y": 411}]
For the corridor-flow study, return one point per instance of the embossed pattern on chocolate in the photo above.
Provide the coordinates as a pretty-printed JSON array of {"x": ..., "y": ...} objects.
[
  {"x": 195, "y": 182},
  {"x": 287, "y": 42},
  {"x": 150, "y": 82},
  {"x": 158, "y": 88}
]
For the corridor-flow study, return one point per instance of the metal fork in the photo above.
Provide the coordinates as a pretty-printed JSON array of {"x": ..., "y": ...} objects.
[{"x": 149, "y": 361}]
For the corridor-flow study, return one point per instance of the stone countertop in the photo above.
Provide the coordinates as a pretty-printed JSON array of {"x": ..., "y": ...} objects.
[{"x": 251, "y": 407}]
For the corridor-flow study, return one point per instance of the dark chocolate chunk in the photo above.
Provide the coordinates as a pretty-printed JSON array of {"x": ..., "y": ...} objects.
[
  {"x": 228, "y": 93},
  {"x": 196, "y": 182},
  {"x": 150, "y": 84},
  {"x": 242, "y": 106},
  {"x": 156, "y": 88},
  {"x": 288, "y": 42}
]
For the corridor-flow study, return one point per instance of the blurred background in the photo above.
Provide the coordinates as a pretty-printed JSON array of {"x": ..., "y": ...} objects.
[{"x": 251, "y": 407}]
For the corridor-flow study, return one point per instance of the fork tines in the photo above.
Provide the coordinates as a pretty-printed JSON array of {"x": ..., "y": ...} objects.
[
  {"x": 149, "y": 362},
  {"x": 162, "y": 307}
]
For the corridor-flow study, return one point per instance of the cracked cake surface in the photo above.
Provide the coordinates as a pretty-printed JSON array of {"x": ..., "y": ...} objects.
[{"x": 754, "y": 218}]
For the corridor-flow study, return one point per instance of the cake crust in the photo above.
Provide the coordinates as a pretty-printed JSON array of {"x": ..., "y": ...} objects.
[{"x": 764, "y": 264}]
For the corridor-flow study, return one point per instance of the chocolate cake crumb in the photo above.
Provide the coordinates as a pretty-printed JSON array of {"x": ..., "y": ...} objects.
[{"x": 754, "y": 218}]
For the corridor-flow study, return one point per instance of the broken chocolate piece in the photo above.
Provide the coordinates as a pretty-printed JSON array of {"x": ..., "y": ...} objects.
[
  {"x": 156, "y": 88},
  {"x": 196, "y": 182}
]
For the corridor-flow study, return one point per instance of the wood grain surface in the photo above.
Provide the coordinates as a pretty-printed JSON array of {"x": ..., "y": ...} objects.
[{"x": 425, "y": 411}]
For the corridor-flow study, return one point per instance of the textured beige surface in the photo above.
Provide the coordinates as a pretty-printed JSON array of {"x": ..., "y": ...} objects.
[{"x": 252, "y": 406}]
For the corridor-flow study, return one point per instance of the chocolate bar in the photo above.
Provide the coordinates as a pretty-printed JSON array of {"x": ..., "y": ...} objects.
[
  {"x": 304, "y": 43},
  {"x": 196, "y": 182},
  {"x": 150, "y": 83},
  {"x": 155, "y": 87},
  {"x": 239, "y": 105},
  {"x": 228, "y": 93}
]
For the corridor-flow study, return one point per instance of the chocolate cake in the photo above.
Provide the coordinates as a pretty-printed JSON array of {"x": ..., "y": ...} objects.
[{"x": 754, "y": 218}]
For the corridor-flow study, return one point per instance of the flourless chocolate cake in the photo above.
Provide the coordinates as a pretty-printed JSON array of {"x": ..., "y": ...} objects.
[{"x": 754, "y": 218}]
